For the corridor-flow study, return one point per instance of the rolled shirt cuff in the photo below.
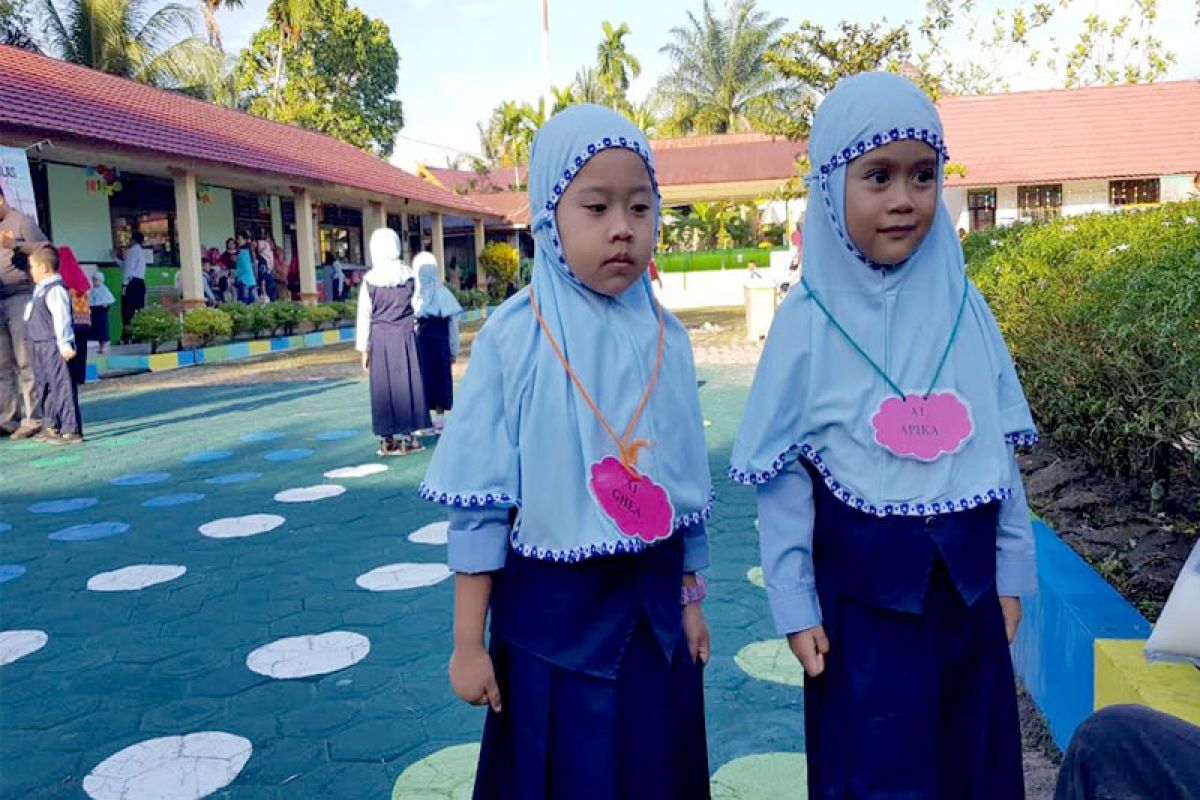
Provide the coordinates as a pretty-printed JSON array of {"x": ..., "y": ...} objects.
[
  {"x": 793, "y": 611},
  {"x": 1016, "y": 577},
  {"x": 480, "y": 550},
  {"x": 695, "y": 548}
]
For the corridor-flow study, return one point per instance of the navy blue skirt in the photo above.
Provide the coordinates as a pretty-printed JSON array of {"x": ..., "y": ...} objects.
[
  {"x": 571, "y": 728},
  {"x": 918, "y": 697},
  {"x": 433, "y": 348}
]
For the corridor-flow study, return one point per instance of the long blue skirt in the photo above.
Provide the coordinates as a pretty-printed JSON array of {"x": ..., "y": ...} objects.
[
  {"x": 913, "y": 705},
  {"x": 566, "y": 735},
  {"x": 433, "y": 348}
]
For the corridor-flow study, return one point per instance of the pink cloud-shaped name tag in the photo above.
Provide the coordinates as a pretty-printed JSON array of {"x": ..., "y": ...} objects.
[
  {"x": 924, "y": 428},
  {"x": 639, "y": 507}
]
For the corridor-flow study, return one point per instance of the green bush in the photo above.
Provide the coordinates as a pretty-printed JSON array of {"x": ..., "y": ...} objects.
[
  {"x": 207, "y": 324},
  {"x": 500, "y": 263},
  {"x": 239, "y": 315},
  {"x": 320, "y": 316},
  {"x": 286, "y": 315},
  {"x": 261, "y": 320},
  {"x": 1102, "y": 314},
  {"x": 470, "y": 298},
  {"x": 155, "y": 325},
  {"x": 711, "y": 260},
  {"x": 346, "y": 311}
]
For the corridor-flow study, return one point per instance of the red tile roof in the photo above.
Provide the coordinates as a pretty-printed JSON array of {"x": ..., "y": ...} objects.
[
  {"x": 463, "y": 181},
  {"x": 512, "y": 206},
  {"x": 728, "y": 158},
  {"x": 52, "y": 98},
  {"x": 1074, "y": 134}
]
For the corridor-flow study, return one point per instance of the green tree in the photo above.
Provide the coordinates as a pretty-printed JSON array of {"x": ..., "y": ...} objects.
[
  {"x": 587, "y": 86},
  {"x": 1117, "y": 46},
  {"x": 339, "y": 78},
  {"x": 564, "y": 97},
  {"x": 508, "y": 136},
  {"x": 16, "y": 27},
  {"x": 288, "y": 18},
  {"x": 208, "y": 10},
  {"x": 615, "y": 65},
  {"x": 158, "y": 47},
  {"x": 816, "y": 60},
  {"x": 719, "y": 81}
]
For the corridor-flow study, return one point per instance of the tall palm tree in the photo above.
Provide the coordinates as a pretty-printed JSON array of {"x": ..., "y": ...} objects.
[
  {"x": 615, "y": 66},
  {"x": 563, "y": 97},
  {"x": 647, "y": 115},
  {"x": 209, "y": 9},
  {"x": 587, "y": 86},
  {"x": 290, "y": 18},
  {"x": 719, "y": 82},
  {"x": 129, "y": 38}
]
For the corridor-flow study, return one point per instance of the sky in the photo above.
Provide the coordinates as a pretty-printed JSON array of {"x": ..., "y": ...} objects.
[{"x": 461, "y": 58}]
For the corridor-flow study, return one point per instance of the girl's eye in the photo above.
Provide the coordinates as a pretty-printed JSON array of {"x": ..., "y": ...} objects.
[
  {"x": 640, "y": 208},
  {"x": 925, "y": 176},
  {"x": 877, "y": 176},
  {"x": 596, "y": 208}
]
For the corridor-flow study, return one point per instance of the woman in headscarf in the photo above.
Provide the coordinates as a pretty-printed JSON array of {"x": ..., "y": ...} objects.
[{"x": 437, "y": 335}]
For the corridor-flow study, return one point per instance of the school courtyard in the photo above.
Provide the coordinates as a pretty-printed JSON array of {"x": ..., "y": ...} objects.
[{"x": 225, "y": 579}]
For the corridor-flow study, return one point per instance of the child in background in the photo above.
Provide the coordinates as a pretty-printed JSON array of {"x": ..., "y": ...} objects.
[
  {"x": 100, "y": 298},
  {"x": 576, "y": 475},
  {"x": 895, "y": 535},
  {"x": 385, "y": 336},
  {"x": 50, "y": 335},
  {"x": 437, "y": 336}
]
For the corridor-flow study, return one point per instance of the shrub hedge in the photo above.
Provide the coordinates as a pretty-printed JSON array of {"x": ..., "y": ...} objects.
[{"x": 1102, "y": 314}]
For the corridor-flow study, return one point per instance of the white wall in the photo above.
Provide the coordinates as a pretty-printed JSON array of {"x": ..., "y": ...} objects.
[
  {"x": 955, "y": 200},
  {"x": 80, "y": 218},
  {"x": 216, "y": 218},
  {"x": 1176, "y": 188},
  {"x": 1084, "y": 197},
  {"x": 710, "y": 289}
]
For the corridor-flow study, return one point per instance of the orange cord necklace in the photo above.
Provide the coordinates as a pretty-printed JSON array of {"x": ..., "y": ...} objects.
[{"x": 627, "y": 449}]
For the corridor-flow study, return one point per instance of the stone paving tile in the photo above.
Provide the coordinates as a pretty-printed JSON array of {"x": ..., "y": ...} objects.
[{"x": 167, "y": 660}]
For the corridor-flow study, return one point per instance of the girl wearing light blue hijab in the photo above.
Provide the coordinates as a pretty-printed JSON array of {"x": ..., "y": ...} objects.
[
  {"x": 576, "y": 476},
  {"x": 437, "y": 313},
  {"x": 880, "y": 429}
]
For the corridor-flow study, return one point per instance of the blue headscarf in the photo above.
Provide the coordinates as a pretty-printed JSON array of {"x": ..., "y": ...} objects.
[
  {"x": 432, "y": 298},
  {"x": 813, "y": 395},
  {"x": 521, "y": 435}
]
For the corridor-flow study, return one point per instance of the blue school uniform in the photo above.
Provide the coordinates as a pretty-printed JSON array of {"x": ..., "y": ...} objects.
[
  {"x": 901, "y": 560},
  {"x": 49, "y": 326},
  {"x": 601, "y": 697}
]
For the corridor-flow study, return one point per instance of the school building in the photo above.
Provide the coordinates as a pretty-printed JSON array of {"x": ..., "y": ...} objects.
[
  {"x": 1026, "y": 156},
  {"x": 117, "y": 156}
]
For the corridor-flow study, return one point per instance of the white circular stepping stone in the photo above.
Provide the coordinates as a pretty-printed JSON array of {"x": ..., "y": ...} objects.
[
  {"x": 262, "y": 436},
  {"x": 304, "y": 656},
  {"x": 239, "y": 527},
  {"x": 18, "y": 644},
  {"x": 448, "y": 774},
  {"x": 170, "y": 768},
  {"x": 434, "y": 533},
  {"x": 765, "y": 776},
  {"x": 755, "y": 576},
  {"x": 63, "y": 506},
  {"x": 361, "y": 471},
  {"x": 310, "y": 494},
  {"x": 134, "y": 578},
  {"x": 232, "y": 478},
  {"x": 396, "y": 577},
  {"x": 771, "y": 661},
  {"x": 5, "y": 527},
  {"x": 140, "y": 479}
]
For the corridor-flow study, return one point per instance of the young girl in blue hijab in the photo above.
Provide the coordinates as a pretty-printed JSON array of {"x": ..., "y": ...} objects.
[
  {"x": 575, "y": 472},
  {"x": 880, "y": 430}
]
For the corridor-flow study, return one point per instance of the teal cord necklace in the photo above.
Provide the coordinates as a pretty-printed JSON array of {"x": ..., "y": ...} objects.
[{"x": 858, "y": 348}]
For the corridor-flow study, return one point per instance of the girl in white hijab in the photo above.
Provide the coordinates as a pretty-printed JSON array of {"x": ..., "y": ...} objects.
[{"x": 437, "y": 335}]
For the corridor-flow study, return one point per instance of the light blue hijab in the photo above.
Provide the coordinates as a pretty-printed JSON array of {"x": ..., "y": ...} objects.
[
  {"x": 432, "y": 298},
  {"x": 813, "y": 395},
  {"x": 521, "y": 435}
]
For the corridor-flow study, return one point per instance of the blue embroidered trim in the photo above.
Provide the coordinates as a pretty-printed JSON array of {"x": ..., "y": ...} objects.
[
  {"x": 852, "y": 500},
  {"x": 466, "y": 500},
  {"x": 584, "y": 552},
  {"x": 864, "y": 146},
  {"x": 1022, "y": 439},
  {"x": 861, "y": 147}
]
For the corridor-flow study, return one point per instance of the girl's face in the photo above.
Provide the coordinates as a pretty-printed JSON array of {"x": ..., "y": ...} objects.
[
  {"x": 606, "y": 221},
  {"x": 891, "y": 199}
]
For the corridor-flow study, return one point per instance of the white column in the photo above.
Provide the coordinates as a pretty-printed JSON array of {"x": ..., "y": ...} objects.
[
  {"x": 277, "y": 219},
  {"x": 374, "y": 218},
  {"x": 306, "y": 245},
  {"x": 187, "y": 222},
  {"x": 439, "y": 242},
  {"x": 480, "y": 275}
]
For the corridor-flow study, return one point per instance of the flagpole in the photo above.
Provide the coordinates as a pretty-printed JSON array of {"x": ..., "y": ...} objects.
[{"x": 546, "y": 56}]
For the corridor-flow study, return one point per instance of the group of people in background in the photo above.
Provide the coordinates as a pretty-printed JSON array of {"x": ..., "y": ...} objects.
[
  {"x": 408, "y": 334},
  {"x": 45, "y": 309},
  {"x": 252, "y": 269}
]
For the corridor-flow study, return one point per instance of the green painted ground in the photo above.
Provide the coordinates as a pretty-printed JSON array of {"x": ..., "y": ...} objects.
[{"x": 122, "y": 667}]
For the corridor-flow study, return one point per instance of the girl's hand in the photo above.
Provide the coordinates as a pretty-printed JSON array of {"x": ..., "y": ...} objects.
[
  {"x": 809, "y": 647},
  {"x": 366, "y": 360},
  {"x": 473, "y": 678},
  {"x": 695, "y": 628},
  {"x": 1010, "y": 607}
]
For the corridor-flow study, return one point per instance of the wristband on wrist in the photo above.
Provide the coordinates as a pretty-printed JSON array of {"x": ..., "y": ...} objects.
[{"x": 693, "y": 594}]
